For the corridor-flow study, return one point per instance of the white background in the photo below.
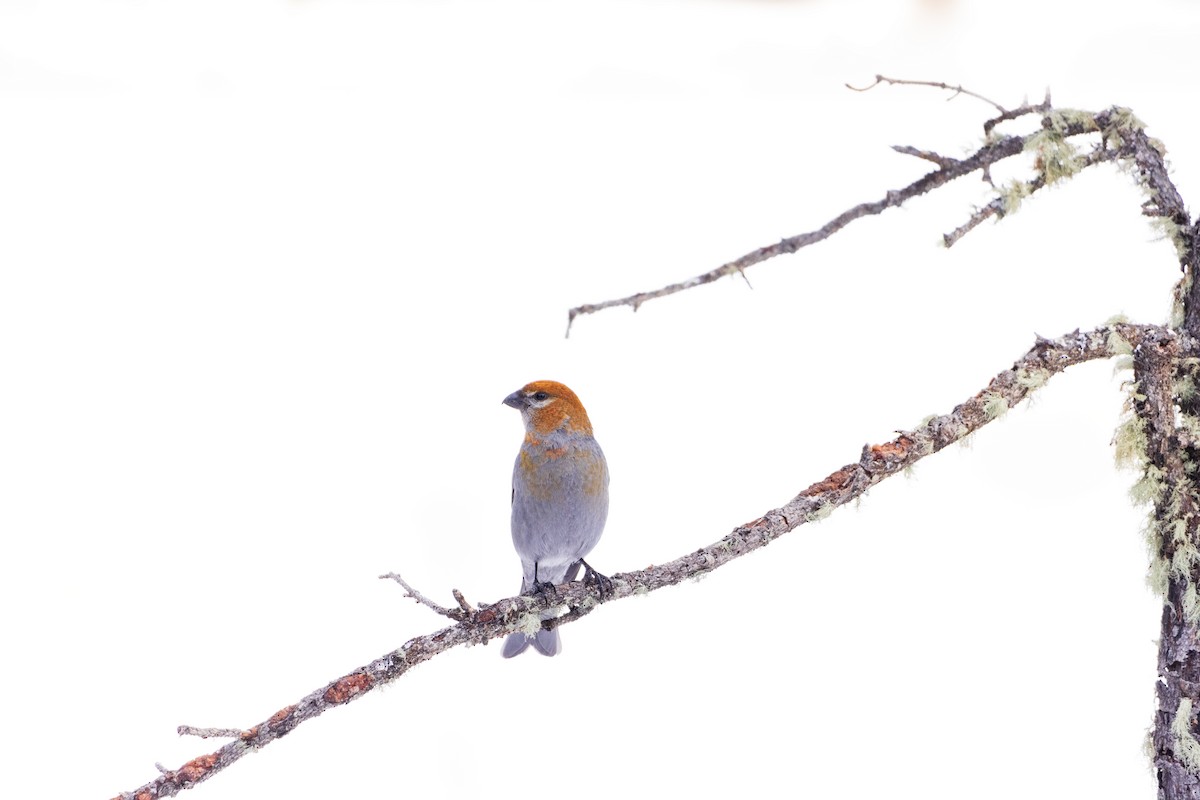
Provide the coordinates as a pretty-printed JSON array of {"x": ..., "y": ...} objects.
[{"x": 267, "y": 270}]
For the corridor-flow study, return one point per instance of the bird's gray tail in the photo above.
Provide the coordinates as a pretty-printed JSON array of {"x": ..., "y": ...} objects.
[{"x": 545, "y": 642}]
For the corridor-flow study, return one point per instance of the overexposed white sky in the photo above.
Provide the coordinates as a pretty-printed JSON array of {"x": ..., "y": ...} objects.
[{"x": 268, "y": 268}]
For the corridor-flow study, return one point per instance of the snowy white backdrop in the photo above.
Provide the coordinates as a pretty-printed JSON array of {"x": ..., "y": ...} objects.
[{"x": 267, "y": 270}]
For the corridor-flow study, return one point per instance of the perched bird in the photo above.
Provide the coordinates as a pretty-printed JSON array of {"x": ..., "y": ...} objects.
[{"x": 559, "y": 498}]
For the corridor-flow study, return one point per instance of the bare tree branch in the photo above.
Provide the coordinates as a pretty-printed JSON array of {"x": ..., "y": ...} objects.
[
  {"x": 1019, "y": 111},
  {"x": 462, "y": 602},
  {"x": 876, "y": 463},
  {"x": 935, "y": 84},
  {"x": 208, "y": 733},
  {"x": 1122, "y": 138},
  {"x": 456, "y": 614},
  {"x": 954, "y": 168}
]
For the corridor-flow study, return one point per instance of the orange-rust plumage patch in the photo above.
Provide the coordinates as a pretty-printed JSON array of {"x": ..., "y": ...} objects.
[{"x": 563, "y": 411}]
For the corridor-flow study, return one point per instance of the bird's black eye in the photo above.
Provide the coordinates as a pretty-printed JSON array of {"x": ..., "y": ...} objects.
[{"x": 540, "y": 396}]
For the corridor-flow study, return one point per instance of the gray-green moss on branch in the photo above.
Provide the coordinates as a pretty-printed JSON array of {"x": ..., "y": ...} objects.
[{"x": 480, "y": 626}]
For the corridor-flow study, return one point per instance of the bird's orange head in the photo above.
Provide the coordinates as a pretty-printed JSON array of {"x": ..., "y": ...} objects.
[{"x": 548, "y": 406}]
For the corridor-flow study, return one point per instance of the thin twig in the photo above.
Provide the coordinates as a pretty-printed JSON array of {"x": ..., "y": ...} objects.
[
  {"x": 462, "y": 602},
  {"x": 209, "y": 733},
  {"x": 876, "y": 463},
  {"x": 992, "y": 209},
  {"x": 935, "y": 84},
  {"x": 1019, "y": 111},
  {"x": 927, "y": 155},
  {"x": 451, "y": 613},
  {"x": 996, "y": 208}
]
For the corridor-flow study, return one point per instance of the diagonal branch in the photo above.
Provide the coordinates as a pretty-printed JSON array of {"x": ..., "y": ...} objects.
[
  {"x": 1123, "y": 138},
  {"x": 949, "y": 169},
  {"x": 877, "y": 462},
  {"x": 1002, "y": 205}
]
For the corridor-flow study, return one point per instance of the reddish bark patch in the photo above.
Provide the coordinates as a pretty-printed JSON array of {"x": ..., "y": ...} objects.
[
  {"x": 197, "y": 768},
  {"x": 896, "y": 449},
  {"x": 347, "y": 688},
  {"x": 833, "y": 483},
  {"x": 280, "y": 715}
]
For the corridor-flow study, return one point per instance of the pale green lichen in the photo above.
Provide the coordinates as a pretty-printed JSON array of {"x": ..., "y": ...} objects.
[
  {"x": 1057, "y": 158},
  {"x": 1130, "y": 445},
  {"x": 1186, "y": 557},
  {"x": 1147, "y": 489},
  {"x": 1061, "y": 120},
  {"x": 1032, "y": 378},
  {"x": 1012, "y": 196},
  {"x": 819, "y": 513},
  {"x": 1129, "y": 440},
  {"x": 1187, "y": 748},
  {"x": 1191, "y": 604},
  {"x": 1181, "y": 291},
  {"x": 1184, "y": 389},
  {"x": 1124, "y": 119},
  {"x": 1169, "y": 229},
  {"x": 1159, "y": 574},
  {"x": 529, "y": 624},
  {"x": 1121, "y": 122},
  {"x": 1122, "y": 363},
  {"x": 1117, "y": 319},
  {"x": 1156, "y": 578},
  {"x": 994, "y": 405},
  {"x": 1117, "y": 344}
]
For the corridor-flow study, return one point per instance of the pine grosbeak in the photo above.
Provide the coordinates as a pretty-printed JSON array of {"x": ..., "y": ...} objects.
[{"x": 559, "y": 498}]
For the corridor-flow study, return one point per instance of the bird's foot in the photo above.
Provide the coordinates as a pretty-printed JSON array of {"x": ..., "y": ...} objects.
[
  {"x": 601, "y": 582},
  {"x": 545, "y": 590}
]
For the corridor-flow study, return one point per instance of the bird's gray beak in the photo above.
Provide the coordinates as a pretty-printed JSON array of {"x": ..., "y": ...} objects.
[{"x": 517, "y": 400}]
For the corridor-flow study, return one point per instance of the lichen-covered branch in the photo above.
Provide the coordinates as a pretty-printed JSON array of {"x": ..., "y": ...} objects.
[
  {"x": 479, "y": 626},
  {"x": 1152, "y": 435},
  {"x": 1122, "y": 139}
]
